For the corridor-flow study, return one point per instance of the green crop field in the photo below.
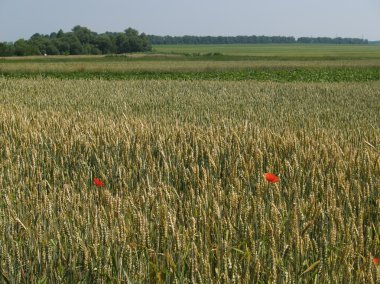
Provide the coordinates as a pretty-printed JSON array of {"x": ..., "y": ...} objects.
[
  {"x": 149, "y": 168},
  {"x": 282, "y": 63},
  {"x": 279, "y": 51}
]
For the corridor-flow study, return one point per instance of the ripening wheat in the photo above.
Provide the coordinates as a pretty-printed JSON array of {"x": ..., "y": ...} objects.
[{"x": 162, "y": 181}]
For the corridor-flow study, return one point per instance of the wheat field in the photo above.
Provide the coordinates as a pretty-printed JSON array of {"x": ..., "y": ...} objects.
[{"x": 184, "y": 199}]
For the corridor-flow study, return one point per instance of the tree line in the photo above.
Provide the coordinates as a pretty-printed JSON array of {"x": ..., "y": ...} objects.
[
  {"x": 328, "y": 40},
  {"x": 80, "y": 40},
  {"x": 218, "y": 39},
  {"x": 250, "y": 39}
]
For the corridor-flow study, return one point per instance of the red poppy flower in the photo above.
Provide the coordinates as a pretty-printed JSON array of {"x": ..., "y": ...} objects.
[
  {"x": 272, "y": 178},
  {"x": 98, "y": 182},
  {"x": 375, "y": 261}
]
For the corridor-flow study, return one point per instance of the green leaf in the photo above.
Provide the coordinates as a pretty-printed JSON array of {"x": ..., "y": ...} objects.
[{"x": 311, "y": 267}]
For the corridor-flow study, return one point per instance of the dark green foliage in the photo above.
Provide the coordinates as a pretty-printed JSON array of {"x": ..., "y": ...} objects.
[
  {"x": 23, "y": 47},
  {"x": 7, "y": 49},
  {"x": 80, "y": 41}
]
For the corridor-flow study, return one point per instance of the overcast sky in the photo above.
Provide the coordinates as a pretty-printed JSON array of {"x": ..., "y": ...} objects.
[{"x": 344, "y": 18}]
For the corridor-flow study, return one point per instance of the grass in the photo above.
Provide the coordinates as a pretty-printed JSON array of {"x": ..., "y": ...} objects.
[{"x": 184, "y": 199}]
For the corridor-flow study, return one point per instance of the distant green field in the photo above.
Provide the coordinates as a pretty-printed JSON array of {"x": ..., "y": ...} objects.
[
  {"x": 270, "y": 62},
  {"x": 278, "y": 50}
]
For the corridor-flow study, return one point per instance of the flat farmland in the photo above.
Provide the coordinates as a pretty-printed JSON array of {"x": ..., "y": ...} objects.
[
  {"x": 278, "y": 63},
  {"x": 180, "y": 144},
  {"x": 279, "y": 51}
]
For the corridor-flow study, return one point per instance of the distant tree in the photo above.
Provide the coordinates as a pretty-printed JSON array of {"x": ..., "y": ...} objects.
[
  {"x": 103, "y": 43},
  {"x": 23, "y": 47},
  {"x": 62, "y": 45},
  {"x": 146, "y": 45},
  {"x": 83, "y": 34},
  {"x": 60, "y": 34},
  {"x": 122, "y": 43},
  {"x": 40, "y": 42},
  {"x": 6, "y": 49},
  {"x": 51, "y": 49},
  {"x": 76, "y": 47},
  {"x": 131, "y": 41},
  {"x": 131, "y": 32}
]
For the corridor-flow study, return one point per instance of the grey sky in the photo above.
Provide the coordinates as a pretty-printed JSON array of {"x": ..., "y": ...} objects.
[{"x": 345, "y": 18}]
